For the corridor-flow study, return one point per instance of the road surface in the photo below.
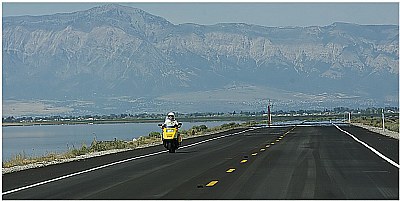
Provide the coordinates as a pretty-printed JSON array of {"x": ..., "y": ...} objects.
[{"x": 290, "y": 162}]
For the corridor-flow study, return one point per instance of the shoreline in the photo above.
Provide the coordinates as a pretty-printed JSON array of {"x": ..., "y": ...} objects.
[
  {"x": 206, "y": 119},
  {"x": 77, "y": 122}
]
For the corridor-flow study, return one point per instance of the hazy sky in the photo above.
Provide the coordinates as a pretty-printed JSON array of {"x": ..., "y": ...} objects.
[{"x": 266, "y": 14}]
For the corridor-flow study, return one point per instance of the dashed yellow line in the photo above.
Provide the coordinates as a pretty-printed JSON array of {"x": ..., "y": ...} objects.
[
  {"x": 212, "y": 183},
  {"x": 230, "y": 170}
]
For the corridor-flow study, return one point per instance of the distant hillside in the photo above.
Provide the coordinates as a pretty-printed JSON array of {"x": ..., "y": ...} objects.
[{"x": 113, "y": 51}]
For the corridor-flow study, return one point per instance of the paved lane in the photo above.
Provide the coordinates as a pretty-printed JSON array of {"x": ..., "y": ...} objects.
[
  {"x": 317, "y": 163},
  {"x": 313, "y": 162}
]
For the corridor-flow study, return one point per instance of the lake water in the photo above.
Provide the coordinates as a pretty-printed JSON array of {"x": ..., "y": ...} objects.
[{"x": 40, "y": 140}]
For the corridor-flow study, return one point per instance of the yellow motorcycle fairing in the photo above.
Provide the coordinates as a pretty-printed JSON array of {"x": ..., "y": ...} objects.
[{"x": 170, "y": 133}]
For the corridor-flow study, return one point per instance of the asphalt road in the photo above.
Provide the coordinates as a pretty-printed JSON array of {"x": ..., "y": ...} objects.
[{"x": 303, "y": 162}]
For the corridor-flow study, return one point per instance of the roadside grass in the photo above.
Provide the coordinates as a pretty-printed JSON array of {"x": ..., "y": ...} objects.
[
  {"x": 153, "y": 138},
  {"x": 391, "y": 124}
]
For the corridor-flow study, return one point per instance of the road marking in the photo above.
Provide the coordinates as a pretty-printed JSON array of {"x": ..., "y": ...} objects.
[
  {"x": 281, "y": 136},
  {"x": 254, "y": 154},
  {"x": 370, "y": 148},
  {"x": 243, "y": 161},
  {"x": 82, "y": 172},
  {"x": 116, "y": 163},
  {"x": 262, "y": 149},
  {"x": 230, "y": 170},
  {"x": 208, "y": 140},
  {"x": 212, "y": 183},
  {"x": 376, "y": 171},
  {"x": 267, "y": 146},
  {"x": 273, "y": 143},
  {"x": 287, "y": 132},
  {"x": 277, "y": 140}
]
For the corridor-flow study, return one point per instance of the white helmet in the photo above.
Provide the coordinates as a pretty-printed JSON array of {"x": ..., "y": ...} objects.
[{"x": 171, "y": 114}]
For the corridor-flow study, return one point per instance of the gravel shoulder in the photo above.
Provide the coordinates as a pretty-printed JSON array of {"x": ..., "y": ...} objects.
[
  {"x": 385, "y": 132},
  {"x": 47, "y": 163}
]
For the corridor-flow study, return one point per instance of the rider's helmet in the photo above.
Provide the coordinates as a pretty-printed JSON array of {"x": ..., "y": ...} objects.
[{"x": 171, "y": 116}]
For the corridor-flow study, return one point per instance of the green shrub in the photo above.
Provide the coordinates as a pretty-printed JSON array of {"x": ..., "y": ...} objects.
[
  {"x": 155, "y": 134},
  {"x": 229, "y": 125},
  {"x": 390, "y": 124}
]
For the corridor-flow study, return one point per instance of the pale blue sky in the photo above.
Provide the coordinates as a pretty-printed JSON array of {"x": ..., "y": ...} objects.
[{"x": 266, "y": 14}]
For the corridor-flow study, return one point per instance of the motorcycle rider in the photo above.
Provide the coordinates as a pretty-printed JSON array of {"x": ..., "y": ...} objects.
[{"x": 170, "y": 120}]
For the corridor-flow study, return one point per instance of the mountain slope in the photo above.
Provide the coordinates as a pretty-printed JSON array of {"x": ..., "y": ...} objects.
[{"x": 114, "y": 50}]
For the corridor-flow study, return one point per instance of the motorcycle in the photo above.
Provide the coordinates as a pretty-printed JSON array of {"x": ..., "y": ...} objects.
[{"x": 170, "y": 137}]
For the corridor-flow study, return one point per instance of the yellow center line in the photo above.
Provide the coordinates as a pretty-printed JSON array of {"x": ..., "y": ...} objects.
[
  {"x": 243, "y": 161},
  {"x": 212, "y": 183},
  {"x": 230, "y": 170},
  {"x": 254, "y": 154}
]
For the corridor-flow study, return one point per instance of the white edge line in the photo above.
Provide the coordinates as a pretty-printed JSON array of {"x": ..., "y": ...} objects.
[
  {"x": 370, "y": 148},
  {"x": 82, "y": 172},
  {"x": 115, "y": 163}
]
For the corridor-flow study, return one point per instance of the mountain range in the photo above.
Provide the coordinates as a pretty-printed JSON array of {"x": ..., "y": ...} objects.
[{"x": 123, "y": 59}]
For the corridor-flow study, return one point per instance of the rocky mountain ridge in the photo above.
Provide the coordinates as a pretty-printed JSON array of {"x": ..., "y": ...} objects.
[{"x": 115, "y": 50}]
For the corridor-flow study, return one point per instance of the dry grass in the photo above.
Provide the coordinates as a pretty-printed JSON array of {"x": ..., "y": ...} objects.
[{"x": 391, "y": 124}]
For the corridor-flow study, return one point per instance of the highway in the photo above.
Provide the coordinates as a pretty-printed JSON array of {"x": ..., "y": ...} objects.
[{"x": 288, "y": 162}]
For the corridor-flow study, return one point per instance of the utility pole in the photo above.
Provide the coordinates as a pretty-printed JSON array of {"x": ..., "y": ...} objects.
[
  {"x": 383, "y": 120},
  {"x": 349, "y": 117},
  {"x": 269, "y": 113}
]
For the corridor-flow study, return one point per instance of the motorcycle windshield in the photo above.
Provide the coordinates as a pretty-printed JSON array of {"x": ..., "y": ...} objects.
[{"x": 168, "y": 126}]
